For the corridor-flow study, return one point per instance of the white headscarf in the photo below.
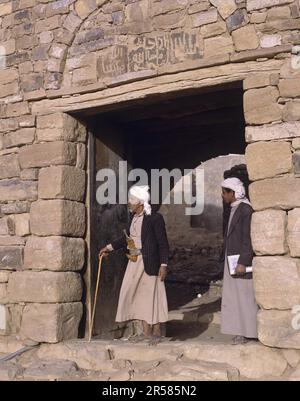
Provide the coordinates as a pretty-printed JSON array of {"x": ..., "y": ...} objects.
[
  {"x": 141, "y": 193},
  {"x": 236, "y": 185}
]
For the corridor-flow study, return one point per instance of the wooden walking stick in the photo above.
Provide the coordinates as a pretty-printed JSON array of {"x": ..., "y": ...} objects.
[{"x": 95, "y": 298}]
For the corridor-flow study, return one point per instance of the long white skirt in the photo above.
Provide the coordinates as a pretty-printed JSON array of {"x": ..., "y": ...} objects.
[{"x": 142, "y": 297}]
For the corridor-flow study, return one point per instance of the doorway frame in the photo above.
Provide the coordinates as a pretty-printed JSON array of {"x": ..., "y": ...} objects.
[{"x": 112, "y": 98}]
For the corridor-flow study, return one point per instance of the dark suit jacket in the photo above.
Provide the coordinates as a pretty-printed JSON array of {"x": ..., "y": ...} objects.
[
  {"x": 155, "y": 246},
  {"x": 237, "y": 240}
]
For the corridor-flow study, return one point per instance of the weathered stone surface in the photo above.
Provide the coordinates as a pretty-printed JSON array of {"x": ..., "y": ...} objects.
[
  {"x": 17, "y": 190},
  {"x": 218, "y": 45},
  {"x": 268, "y": 159},
  {"x": 11, "y": 257},
  {"x": 54, "y": 253},
  {"x": 253, "y": 361},
  {"x": 289, "y": 87},
  {"x": 260, "y": 4},
  {"x": 60, "y": 126},
  {"x": 46, "y": 154},
  {"x": 245, "y": 38},
  {"x": 214, "y": 29},
  {"x": 3, "y": 293},
  {"x": 225, "y": 7},
  {"x": 294, "y": 232},
  {"x": 51, "y": 322},
  {"x": 50, "y": 370},
  {"x": 4, "y": 276},
  {"x": 261, "y": 106},
  {"x": 277, "y": 193},
  {"x": 188, "y": 370},
  {"x": 268, "y": 232},
  {"x": 296, "y": 162},
  {"x": 81, "y": 156},
  {"x": 275, "y": 329},
  {"x": 62, "y": 182},
  {"x": 44, "y": 287},
  {"x": 57, "y": 217},
  {"x": 267, "y": 41},
  {"x": 85, "y": 7},
  {"x": 11, "y": 240},
  {"x": 273, "y": 132},
  {"x": 5, "y": 8},
  {"x": 256, "y": 81},
  {"x": 204, "y": 18},
  {"x": 276, "y": 282},
  {"x": 21, "y": 137},
  {"x": 22, "y": 224},
  {"x": 292, "y": 356},
  {"x": 30, "y": 174},
  {"x": 238, "y": 19},
  {"x": 9, "y": 166},
  {"x": 291, "y": 111},
  {"x": 9, "y": 371},
  {"x": 279, "y": 13},
  {"x": 93, "y": 356},
  {"x": 3, "y": 325},
  {"x": 7, "y": 226},
  {"x": 14, "y": 208}
]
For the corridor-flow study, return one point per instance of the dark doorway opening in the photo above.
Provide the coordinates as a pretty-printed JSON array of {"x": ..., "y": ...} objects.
[{"x": 179, "y": 130}]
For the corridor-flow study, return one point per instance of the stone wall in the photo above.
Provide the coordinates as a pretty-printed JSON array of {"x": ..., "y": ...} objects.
[{"x": 54, "y": 49}]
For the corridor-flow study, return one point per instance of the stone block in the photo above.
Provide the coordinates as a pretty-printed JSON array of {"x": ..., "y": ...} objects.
[
  {"x": 204, "y": 18},
  {"x": 276, "y": 282},
  {"x": 289, "y": 87},
  {"x": 217, "y": 46},
  {"x": 268, "y": 159},
  {"x": 7, "y": 226},
  {"x": 54, "y": 253},
  {"x": 277, "y": 193},
  {"x": 245, "y": 38},
  {"x": 16, "y": 190},
  {"x": 280, "y": 329},
  {"x": 57, "y": 217},
  {"x": 44, "y": 287},
  {"x": 21, "y": 137},
  {"x": 22, "y": 227},
  {"x": 273, "y": 132},
  {"x": 9, "y": 166},
  {"x": 267, "y": 41},
  {"x": 253, "y": 5},
  {"x": 11, "y": 257},
  {"x": 294, "y": 232},
  {"x": 60, "y": 126},
  {"x": 62, "y": 182},
  {"x": 268, "y": 232},
  {"x": 47, "y": 154},
  {"x": 51, "y": 323},
  {"x": 291, "y": 111},
  {"x": 261, "y": 107}
]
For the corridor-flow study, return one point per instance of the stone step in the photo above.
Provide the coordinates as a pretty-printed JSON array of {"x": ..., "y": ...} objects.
[{"x": 252, "y": 360}]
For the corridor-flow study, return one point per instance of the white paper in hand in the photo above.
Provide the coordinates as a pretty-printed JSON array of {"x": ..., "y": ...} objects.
[{"x": 233, "y": 262}]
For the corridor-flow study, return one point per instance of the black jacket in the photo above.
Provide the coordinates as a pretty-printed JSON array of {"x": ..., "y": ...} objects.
[
  {"x": 237, "y": 240},
  {"x": 155, "y": 246}
]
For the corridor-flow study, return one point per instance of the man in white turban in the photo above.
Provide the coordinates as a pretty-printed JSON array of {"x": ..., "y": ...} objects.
[
  {"x": 239, "y": 307},
  {"x": 143, "y": 294}
]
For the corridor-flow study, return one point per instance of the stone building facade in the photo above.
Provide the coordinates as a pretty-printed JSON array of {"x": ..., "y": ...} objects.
[{"x": 61, "y": 57}]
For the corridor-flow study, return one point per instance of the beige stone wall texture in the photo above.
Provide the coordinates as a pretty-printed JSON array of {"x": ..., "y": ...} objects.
[{"x": 52, "y": 50}]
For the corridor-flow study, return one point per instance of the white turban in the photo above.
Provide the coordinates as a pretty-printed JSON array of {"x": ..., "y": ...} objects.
[
  {"x": 141, "y": 193},
  {"x": 236, "y": 185}
]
